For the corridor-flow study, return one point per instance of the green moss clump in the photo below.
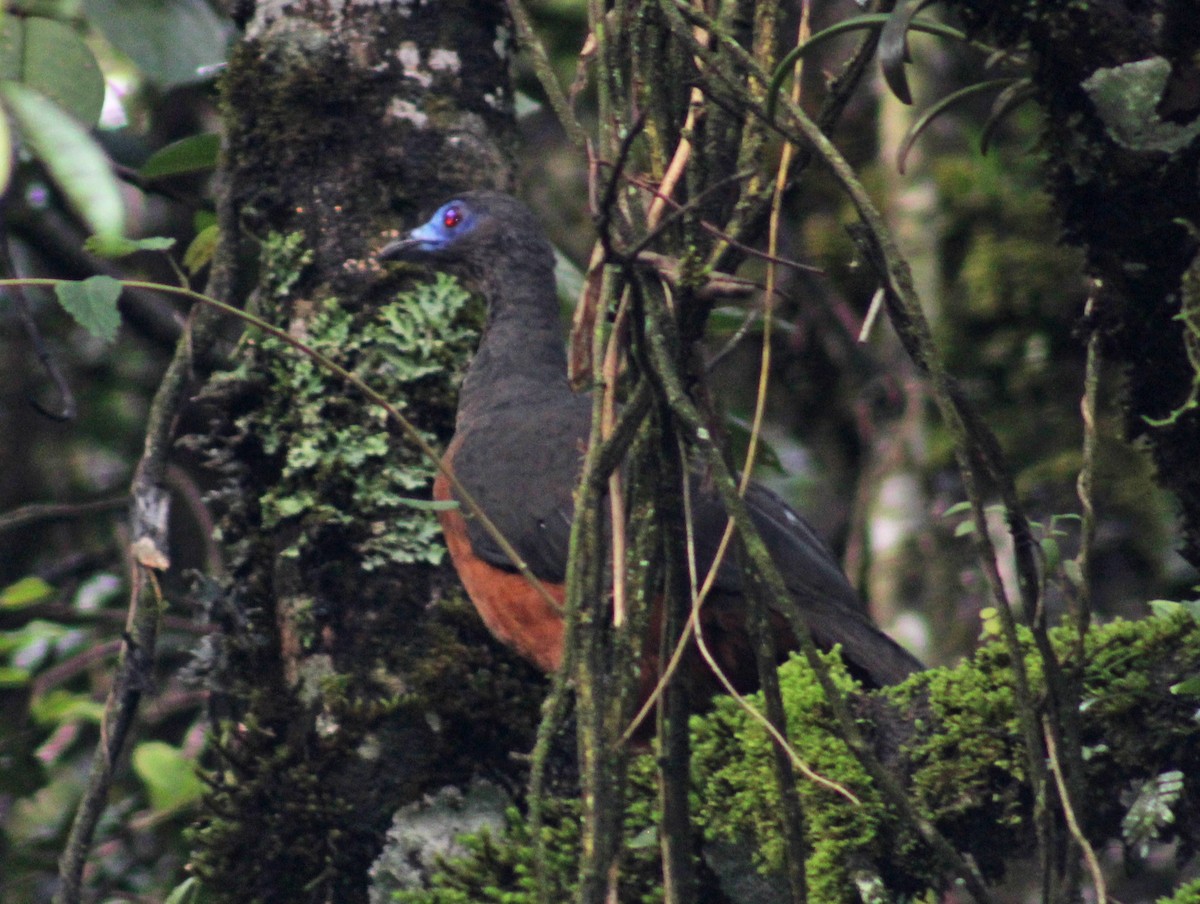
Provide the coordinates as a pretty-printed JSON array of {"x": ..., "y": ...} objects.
[
  {"x": 1188, "y": 893},
  {"x": 738, "y": 797},
  {"x": 964, "y": 763},
  {"x": 503, "y": 868}
]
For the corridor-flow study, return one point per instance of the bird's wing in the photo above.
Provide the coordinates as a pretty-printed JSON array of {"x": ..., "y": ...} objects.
[
  {"x": 522, "y": 468},
  {"x": 834, "y": 612}
]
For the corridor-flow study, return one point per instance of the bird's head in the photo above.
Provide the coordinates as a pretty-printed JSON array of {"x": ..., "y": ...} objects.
[{"x": 479, "y": 231}]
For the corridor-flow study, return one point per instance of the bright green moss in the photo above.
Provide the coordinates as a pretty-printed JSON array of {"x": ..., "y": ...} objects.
[
  {"x": 965, "y": 769},
  {"x": 1188, "y": 893},
  {"x": 739, "y": 798}
]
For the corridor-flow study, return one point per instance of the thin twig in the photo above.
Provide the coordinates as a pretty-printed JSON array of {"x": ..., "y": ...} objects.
[
  {"x": 60, "y": 511},
  {"x": 1089, "y": 853},
  {"x": 544, "y": 70}
]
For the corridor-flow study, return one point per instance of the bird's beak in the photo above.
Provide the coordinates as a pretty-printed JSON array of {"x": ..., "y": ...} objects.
[
  {"x": 417, "y": 245},
  {"x": 403, "y": 249}
]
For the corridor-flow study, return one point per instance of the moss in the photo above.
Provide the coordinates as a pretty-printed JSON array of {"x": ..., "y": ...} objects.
[
  {"x": 1188, "y": 893},
  {"x": 735, "y": 778},
  {"x": 502, "y": 868},
  {"x": 274, "y": 802},
  {"x": 966, "y": 769}
]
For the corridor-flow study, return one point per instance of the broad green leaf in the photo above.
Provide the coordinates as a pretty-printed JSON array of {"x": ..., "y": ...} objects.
[
  {"x": 1170, "y": 608},
  {"x": 202, "y": 248},
  {"x": 427, "y": 505},
  {"x": 25, "y": 592},
  {"x": 74, "y": 161},
  {"x": 186, "y": 892},
  {"x": 93, "y": 303},
  {"x": 61, "y": 706},
  {"x": 172, "y": 43},
  {"x": 11, "y": 676},
  {"x": 169, "y": 776},
  {"x": 202, "y": 219},
  {"x": 1189, "y": 687},
  {"x": 52, "y": 58},
  {"x": 193, "y": 154},
  {"x": 114, "y": 246},
  {"x": 53, "y": 9}
]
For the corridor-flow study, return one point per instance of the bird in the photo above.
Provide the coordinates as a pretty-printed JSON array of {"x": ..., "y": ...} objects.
[{"x": 518, "y": 445}]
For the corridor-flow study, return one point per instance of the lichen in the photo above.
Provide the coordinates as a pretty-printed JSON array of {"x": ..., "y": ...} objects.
[{"x": 341, "y": 469}]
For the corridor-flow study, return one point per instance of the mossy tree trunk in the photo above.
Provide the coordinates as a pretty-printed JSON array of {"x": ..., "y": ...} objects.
[
  {"x": 338, "y": 692},
  {"x": 1120, "y": 85}
]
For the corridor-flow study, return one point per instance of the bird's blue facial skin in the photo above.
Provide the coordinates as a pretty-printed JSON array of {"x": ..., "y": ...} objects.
[{"x": 450, "y": 221}]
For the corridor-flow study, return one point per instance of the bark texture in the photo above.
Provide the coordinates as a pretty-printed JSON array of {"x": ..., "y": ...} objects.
[
  {"x": 339, "y": 691},
  {"x": 1120, "y": 83}
]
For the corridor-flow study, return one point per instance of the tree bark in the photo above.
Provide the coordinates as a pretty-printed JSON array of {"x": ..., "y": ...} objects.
[
  {"x": 339, "y": 692},
  {"x": 1120, "y": 86}
]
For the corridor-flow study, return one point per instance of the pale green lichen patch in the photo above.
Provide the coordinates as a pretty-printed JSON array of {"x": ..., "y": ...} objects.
[{"x": 341, "y": 467}]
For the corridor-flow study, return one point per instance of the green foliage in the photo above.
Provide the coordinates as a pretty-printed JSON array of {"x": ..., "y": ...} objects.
[
  {"x": 50, "y": 57},
  {"x": 739, "y": 796},
  {"x": 72, "y": 158},
  {"x": 340, "y": 468},
  {"x": 172, "y": 43},
  {"x": 25, "y": 592},
  {"x": 1152, "y": 811},
  {"x": 196, "y": 153},
  {"x": 93, "y": 304},
  {"x": 965, "y": 763},
  {"x": 1188, "y": 893},
  {"x": 501, "y": 868},
  {"x": 168, "y": 773}
]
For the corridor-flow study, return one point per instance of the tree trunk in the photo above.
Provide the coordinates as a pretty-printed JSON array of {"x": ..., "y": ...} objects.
[
  {"x": 339, "y": 692},
  {"x": 1118, "y": 81}
]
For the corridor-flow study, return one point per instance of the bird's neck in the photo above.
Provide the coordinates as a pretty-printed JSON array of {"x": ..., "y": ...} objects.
[{"x": 521, "y": 357}]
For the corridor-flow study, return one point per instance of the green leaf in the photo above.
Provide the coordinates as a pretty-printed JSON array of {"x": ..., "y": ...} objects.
[
  {"x": 172, "y": 43},
  {"x": 193, "y": 154},
  {"x": 426, "y": 505},
  {"x": 76, "y": 164},
  {"x": 114, "y": 246},
  {"x": 186, "y": 892},
  {"x": 52, "y": 9},
  {"x": 169, "y": 776},
  {"x": 59, "y": 707},
  {"x": 1170, "y": 608},
  {"x": 10, "y": 676},
  {"x": 25, "y": 592},
  {"x": 1153, "y": 809},
  {"x": 202, "y": 249},
  {"x": 871, "y": 20},
  {"x": 93, "y": 303},
  {"x": 202, "y": 219},
  {"x": 923, "y": 121},
  {"x": 6, "y": 153},
  {"x": 1188, "y": 687},
  {"x": 53, "y": 59}
]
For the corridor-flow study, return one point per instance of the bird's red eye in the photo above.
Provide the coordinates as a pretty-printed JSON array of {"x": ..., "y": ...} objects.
[{"x": 452, "y": 217}]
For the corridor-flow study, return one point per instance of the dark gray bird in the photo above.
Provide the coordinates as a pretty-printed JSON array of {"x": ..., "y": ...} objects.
[{"x": 518, "y": 447}]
